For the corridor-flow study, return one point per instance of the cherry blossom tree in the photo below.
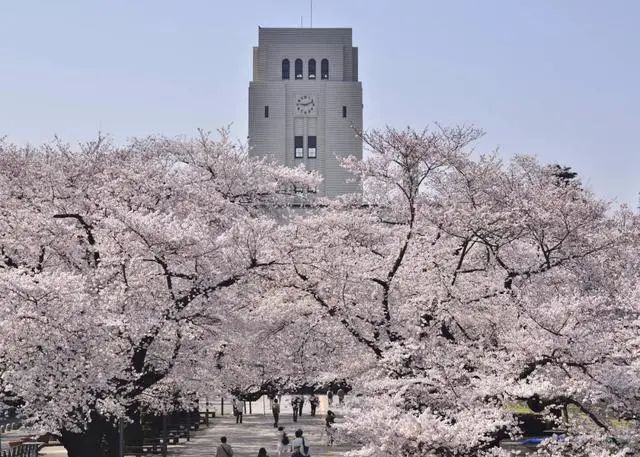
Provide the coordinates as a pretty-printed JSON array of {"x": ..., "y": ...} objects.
[
  {"x": 465, "y": 287},
  {"x": 121, "y": 269},
  {"x": 450, "y": 291}
]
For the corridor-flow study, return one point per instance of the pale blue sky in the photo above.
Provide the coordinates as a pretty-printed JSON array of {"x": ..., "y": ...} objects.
[{"x": 555, "y": 78}]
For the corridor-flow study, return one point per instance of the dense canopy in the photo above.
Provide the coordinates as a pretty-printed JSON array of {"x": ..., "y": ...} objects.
[{"x": 451, "y": 292}]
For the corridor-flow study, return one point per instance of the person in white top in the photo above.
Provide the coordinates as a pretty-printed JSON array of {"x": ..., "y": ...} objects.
[{"x": 299, "y": 442}]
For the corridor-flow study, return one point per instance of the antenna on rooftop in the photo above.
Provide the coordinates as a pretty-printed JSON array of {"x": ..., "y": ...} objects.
[
  {"x": 300, "y": 21},
  {"x": 311, "y": 21}
]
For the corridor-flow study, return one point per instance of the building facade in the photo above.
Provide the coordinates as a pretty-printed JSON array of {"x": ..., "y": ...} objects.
[{"x": 305, "y": 102}]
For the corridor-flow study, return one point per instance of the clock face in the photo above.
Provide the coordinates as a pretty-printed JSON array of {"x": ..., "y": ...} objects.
[{"x": 305, "y": 105}]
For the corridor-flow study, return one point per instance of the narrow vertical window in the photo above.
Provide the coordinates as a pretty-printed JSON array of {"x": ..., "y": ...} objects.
[
  {"x": 266, "y": 111},
  {"x": 324, "y": 69},
  {"x": 312, "y": 68},
  {"x": 344, "y": 111},
  {"x": 298, "y": 68},
  {"x": 298, "y": 147},
  {"x": 285, "y": 69},
  {"x": 311, "y": 147}
]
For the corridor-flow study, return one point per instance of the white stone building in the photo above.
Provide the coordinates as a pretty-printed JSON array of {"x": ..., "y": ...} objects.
[{"x": 305, "y": 102}]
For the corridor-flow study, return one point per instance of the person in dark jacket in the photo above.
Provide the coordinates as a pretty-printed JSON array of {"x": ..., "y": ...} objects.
[
  {"x": 314, "y": 401},
  {"x": 283, "y": 442},
  {"x": 329, "y": 421},
  {"x": 275, "y": 409},
  {"x": 294, "y": 407}
]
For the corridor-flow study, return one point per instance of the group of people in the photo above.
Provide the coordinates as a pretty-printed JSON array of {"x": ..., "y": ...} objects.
[
  {"x": 297, "y": 405},
  {"x": 297, "y": 447},
  {"x": 339, "y": 393}
]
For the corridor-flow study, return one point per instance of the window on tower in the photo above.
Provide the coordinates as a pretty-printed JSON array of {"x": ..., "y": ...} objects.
[
  {"x": 312, "y": 68},
  {"x": 298, "y": 147},
  {"x": 344, "y": 111},
  {"x": 311, "y": 147},
  {"x": 266, "y": 111},
  {"x": 324, "y": 69},
  {"x": 298, "y": 68},
  {"x": 285, "y": 69}
]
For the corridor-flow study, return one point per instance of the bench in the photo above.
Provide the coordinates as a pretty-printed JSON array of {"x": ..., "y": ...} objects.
[
  {"x": 155, "y": 429},
  {"x": 8, "y": 426},
  {"x": 147, "y": 448}
]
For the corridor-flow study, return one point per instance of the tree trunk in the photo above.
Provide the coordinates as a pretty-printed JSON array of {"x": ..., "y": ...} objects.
[
  {"x": 133, "y": 433},
  {"x": 99, "y": 439}
]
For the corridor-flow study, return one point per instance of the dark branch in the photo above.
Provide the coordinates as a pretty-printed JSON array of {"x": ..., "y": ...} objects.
[{"x": 88, "y": 229}]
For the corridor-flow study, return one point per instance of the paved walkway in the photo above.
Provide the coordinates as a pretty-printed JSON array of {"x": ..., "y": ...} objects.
[{"x": 256, "y": 431}]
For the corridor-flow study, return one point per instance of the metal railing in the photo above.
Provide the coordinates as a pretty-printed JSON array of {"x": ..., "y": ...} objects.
[{"x": 22, "y": 450}]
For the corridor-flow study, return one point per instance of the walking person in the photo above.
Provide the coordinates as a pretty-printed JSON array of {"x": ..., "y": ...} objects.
[
  {"x": 330, "y": 396},
  {"x": 300, "y": 404},
  {"x": 294, "y": 407},
  {"x": 262, "y": 452},
  {"x": 314, "y": 401},
  {"x": 283, "y": 442},
  {"x": 340, "y": 396},
  {"x": 224, "y": 450},
  {"x": 328, "y": 426},
  {"x": 299, "y": 444},
  {"x": 275, "y": 409},
  {"x": 237, "y": 410}
]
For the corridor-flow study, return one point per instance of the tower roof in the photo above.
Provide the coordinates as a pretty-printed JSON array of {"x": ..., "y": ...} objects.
[{"x": 300, "y": 35}]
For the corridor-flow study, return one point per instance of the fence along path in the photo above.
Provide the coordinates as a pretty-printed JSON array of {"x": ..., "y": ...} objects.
[{"x": 255, "y": 432}]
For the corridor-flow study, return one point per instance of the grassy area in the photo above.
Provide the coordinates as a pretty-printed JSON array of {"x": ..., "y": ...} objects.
[{"x": 519, "y": 408}]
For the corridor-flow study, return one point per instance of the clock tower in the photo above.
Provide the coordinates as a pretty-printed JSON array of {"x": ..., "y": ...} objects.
[{"x": 305, "y": 102}]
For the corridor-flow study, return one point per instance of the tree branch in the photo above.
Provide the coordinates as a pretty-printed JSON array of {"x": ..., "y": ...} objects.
[{"x": 88, "y": 229}]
